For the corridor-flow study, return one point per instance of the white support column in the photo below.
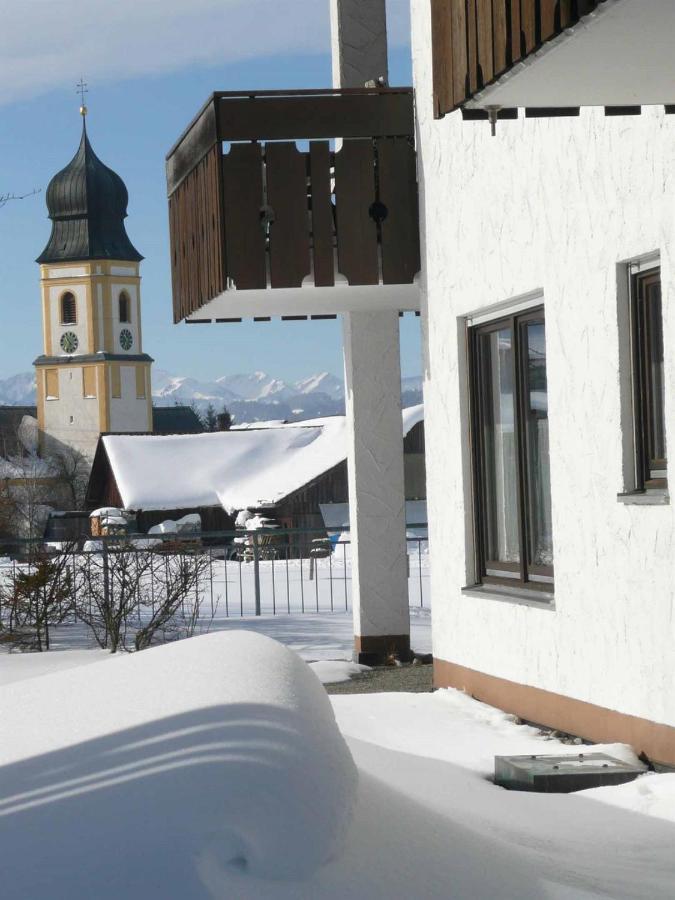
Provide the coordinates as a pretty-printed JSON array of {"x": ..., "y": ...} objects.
[
  {"x": 373, "y": 404},
  {"x": 376, "y": 491}
]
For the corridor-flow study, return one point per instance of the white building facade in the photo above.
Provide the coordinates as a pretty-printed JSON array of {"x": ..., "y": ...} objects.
[{"x": 548, "y": 307}]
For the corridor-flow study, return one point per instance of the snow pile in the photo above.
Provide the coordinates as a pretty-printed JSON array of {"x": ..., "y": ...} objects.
[
  {"x": 332, "y": 671},
  {"x": 189, "y": 524},
  {"x": 163, "y": 772},
  {"x": 232, "y": 469}
]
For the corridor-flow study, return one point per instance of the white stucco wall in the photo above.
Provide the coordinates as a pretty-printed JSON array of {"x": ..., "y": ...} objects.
[
  {"x": 72, "y": 419},
  {"x": 551, "y": 205}
]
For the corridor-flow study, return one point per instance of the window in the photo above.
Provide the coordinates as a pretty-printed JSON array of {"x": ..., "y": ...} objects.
[
  {"x": 52, "y": 384},
  {"x": 68, "y": 309},
  {"x": 89, "y": 381},
  {"x": 140, "y": 382},
  {"x": 116, "y": 380},
  {"x": 511, "y": 451},
  {"x": 124, "y": 307},
  {"x": 648, "y": 380}
]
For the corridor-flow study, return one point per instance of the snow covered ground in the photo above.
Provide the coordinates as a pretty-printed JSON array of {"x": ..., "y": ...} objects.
[{"x": 427, "y": 821}]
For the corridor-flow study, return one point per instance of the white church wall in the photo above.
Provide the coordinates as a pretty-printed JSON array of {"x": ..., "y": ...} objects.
[
  {"x": 72, "y": 419},
  {"x": 555, "y": 206}
]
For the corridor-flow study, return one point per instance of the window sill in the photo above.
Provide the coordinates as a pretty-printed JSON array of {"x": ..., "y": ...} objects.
[
  {"x": 645, "y": 498},
  {"x": 519, "y": 595}
]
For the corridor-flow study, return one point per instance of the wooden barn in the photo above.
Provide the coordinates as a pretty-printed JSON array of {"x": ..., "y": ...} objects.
[{"x": 284, "y": 472}]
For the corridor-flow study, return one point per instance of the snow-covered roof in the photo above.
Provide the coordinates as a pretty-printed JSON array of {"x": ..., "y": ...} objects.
[{"x": 232, "y": 469}]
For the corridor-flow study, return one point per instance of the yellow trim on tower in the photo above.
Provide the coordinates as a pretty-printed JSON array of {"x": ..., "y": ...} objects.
[{"x": 47, "y": 320}]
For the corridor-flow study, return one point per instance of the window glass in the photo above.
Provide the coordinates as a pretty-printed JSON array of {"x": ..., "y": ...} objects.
[
  {"x": 501, "y": 498},
  {"x": 540, "y": 543},
  {"x": 511, "y": 444},
  {"x": 650, "y": 439}
]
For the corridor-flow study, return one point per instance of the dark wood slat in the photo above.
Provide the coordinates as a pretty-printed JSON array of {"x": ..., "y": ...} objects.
[
  {"x": 398, "y": 192},
  {"x": 322, "y": 213},
  {"x": 565, "y": 7},
  {"x": 515, "y": 30},
  {"x": 500, "y": 36},
  {"x": 527, "y": 24},
  {"x": 485, "y": 44},
  {"x": 547, "y": 19},
  {"x": 584, "y": 7},
  {"x": 289, "y": 232},
  {"x": 459, "y": 53},
  {"x": 472, "y": 44},
  {"x": 193, "y": 146},
  {"x": 299, "y": 118},
  {"x": 243, "y": 199},
  {"x": 356, "y": 230},
  {"x": 441, "y": 36}
]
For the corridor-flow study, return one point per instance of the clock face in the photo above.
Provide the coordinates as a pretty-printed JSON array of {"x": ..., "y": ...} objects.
[
  {"x": 126, "y": 339},
  {"x": 69, "y": 342}
]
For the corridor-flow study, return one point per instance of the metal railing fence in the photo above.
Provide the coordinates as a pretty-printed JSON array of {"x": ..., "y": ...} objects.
[{"x": 218, "y": 574}]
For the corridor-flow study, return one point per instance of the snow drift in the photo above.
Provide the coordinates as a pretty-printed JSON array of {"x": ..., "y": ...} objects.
[{"x": 160, "y": 773}]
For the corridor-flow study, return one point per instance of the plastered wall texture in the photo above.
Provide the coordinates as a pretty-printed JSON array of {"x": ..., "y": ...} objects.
[
  {"x": 551, "y": 205},
  {"x": 82, "y": 433},
  {"x": 376, "y": 483}
]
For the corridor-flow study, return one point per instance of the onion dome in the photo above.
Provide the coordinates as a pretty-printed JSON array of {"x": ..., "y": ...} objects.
[{"x": 87, "y": 204}]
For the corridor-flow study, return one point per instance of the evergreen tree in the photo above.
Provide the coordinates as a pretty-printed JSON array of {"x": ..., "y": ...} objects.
[{"x": 210, "y": 418}]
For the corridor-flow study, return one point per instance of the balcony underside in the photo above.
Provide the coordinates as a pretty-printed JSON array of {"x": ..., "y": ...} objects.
[
  {"x": 620, "y": 55},
  {"x": 295, "y": 204},
  {"x": 309, "y": 302}
]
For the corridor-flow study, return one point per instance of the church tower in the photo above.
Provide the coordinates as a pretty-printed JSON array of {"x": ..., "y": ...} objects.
[{"x": 93, "y": 376}]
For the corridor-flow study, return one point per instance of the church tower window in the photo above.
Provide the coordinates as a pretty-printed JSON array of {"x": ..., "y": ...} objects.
[
  {"x": 124, "y": 307},
  {"x": 68, "y": 309}
]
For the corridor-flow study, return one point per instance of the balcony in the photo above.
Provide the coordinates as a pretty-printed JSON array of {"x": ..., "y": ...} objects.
[
  {"x": 299, "y": 203},
  {"x": 552, "y": 54}
]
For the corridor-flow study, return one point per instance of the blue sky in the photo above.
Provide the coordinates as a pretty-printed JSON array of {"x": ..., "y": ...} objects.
[{"x": 149, "y": 69}]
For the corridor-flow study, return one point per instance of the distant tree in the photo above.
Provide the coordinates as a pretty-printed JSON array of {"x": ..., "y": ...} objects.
[
  {"x": 210, "y": 419},
  {"x": 71, "y": 468},
  {"x": 224, "y": 420}
]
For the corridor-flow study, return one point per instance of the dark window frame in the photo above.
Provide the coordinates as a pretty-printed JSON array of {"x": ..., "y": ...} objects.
[
  {"x": 646, "y": 329},
  {"x": 124, "y": 302},
  {"x": 68, "y": 308},
  {"x": 506, "y": 574}
]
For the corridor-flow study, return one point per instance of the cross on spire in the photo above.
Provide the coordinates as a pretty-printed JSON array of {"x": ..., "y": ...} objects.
[{"x": 81, "y": 88}]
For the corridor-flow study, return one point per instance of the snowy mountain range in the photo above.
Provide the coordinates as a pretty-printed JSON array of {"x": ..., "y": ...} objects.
[{"x": 252, "y": 397}]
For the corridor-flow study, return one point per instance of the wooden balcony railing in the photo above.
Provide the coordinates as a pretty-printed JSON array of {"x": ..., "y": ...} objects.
[
  {"x": 475, "y": 42},
  {"x": 250, "y": 210}
]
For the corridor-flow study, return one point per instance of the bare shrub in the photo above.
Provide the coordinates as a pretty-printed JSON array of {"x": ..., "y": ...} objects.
[
  {"x": 37, "y": 596},
  {"x": 177, "y": 580},
  {"x": 112, "y": 593}
]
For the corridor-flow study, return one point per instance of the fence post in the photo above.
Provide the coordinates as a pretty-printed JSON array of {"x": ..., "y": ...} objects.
[
  {"x": 106, "y": 579},
  {"x": 256, "y": 571}
]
